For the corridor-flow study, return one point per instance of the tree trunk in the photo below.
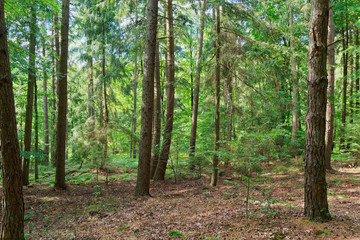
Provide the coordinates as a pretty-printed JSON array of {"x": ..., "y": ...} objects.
[
  {"x": 62, "y": 99},
  {"x": 157, "y": 115},
  {"x": 316, "y": 205},
  {"x": 329, "y": 132},
  {"x": 12, "y": 217},
  {"x": 195, "y": 107},
  {"x": 55, "y": 88},
  {"x": 46, "y": 112},
  {"x": 295, "y": 116},
  {"x": 170, "y": 96},
  {"x": 215, "y": 163},
  {"x": 133, "y": 142},
  {"x": 36, "y": 134},
  {"x": 143, "y": 175},
  {"x": 344, "y": 96},
  {"x": 106, "y": 122},
  {"x": 91, "y": 86},
  {"x": 357, "y": 69},
  {"x": 30, "y": 97}
]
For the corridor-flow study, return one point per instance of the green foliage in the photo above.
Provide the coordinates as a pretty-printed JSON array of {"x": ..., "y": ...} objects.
[{"x": 176, "y": 234}]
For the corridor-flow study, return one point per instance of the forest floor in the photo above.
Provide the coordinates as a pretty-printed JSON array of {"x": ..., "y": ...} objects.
[{"x": 190, "y": 209}]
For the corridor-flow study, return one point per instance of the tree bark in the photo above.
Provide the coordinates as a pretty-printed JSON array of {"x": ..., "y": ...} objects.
[
  {"x": 106, "y": 122},
  {"x": 46, "y": 111},
  {"x": 143, "y": 175},
  {"x": 91, "y": 109},
  {"x": 357, "y": 68},
  {"x": 157, "y": 115},
  {"x": 195, "y": 107},
  {"x": 133, "y": 142},
  {"x": 62, "y": 99},
  {"x": 55, "y": 88},
  {"x": 329, "y": 132},
  {"x": 295, "y": 113},
  {"x": 30, "y": 96},
  {"x": 12, "y": 217},
  {"x": 315, "y": 192},
  {"x": 215, "y": 163},
  {"x": 170, "y": 96},
  {"x": 344, "y": 93},
  {"x": 36, "y": 134}
]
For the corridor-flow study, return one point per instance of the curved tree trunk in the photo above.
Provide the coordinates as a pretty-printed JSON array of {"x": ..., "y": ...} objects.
[
  {"x": 12, "y": 217},
  {"x": 195, "y": 105},
  {"x": 62, "y": 102},
  {"x": 170, "y": 96},
  {"x": 316, "y": 205},
  {"x": 143, "y": 175},
  {"x": 30, "y": 96},
  {"x": 215, "y": 163},
  {"x": 329, "y": 132}
]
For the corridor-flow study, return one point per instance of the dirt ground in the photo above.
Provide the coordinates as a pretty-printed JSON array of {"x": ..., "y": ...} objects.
[{"x": 190, "y": 209}]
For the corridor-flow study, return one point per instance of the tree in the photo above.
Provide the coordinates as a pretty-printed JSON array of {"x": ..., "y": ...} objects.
[
  {"x": 62, "y": 99},
  {"x": 46, "y": 112},
  {"x": 30, "y": 96},
  {"x": 12, "y": 217},
  {"x": 316, "y": 205},
  {"x": 157, "y": 115},
  {"x": 295, "y": 120},
  {"x": 195, "y": 103},
  {"x": 170, "y": 96},
  {"x": 215, "y": 163},
  {"x": 143, "y": 175},
  {"x": 330, "y": 91}
]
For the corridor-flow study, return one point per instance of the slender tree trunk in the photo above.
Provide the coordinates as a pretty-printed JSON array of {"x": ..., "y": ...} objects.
[
  {"x": 195, "y": 106},
  {"x": 329, "y": 132},
  {"x": 133, "y": 143},
  {"x": 30, "y": 96},
  {"x": 62, "y": 100},
  {"x": 357, "y": 69},
  {"x": 295, "y": 116},
  {"x": 91, "y": 85},
  {"x": 315, "y": 192},
  {"x": 106, "y": 122},
  {"x": 46, "y": 112},
  {"x": 170, "y": 96},
  {"x": 55, "y": 88},
  {"x": 215, "y": 163},
  {"x": 157, "y": 115},
  {"x": 12, "y": 215},
  {"x": 344, "y": 95},
  {"x": 36, "y": 134},
  {"x": 143, "y": 175},
  {"x": 351, "y": 84}
]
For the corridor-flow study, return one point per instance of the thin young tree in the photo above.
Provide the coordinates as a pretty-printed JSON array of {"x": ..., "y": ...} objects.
[
  {"x": 157, "y": 115},
  {"x": 30, "y": 96},
  {"x": 195, "y": 104},
  {"x": 330, "y": 91},
  {"x": 62, "y": 99},
  {"x": 215, "y": 163},
  {"x": 170, "y": 96},
  {"x": 12, "y": 217},
  {"x": 315, "y": 192},
  {"x": 143, "y": 175},
  {"x": 295, "y": 119},
  {"x": 46, "y": 108}
]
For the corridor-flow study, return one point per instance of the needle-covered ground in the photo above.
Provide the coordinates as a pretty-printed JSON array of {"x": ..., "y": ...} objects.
[{"x": 190, "y": 209}]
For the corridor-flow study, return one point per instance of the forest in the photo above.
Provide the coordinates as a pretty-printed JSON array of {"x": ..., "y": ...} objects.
[{"x": 180, "y": 119}]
